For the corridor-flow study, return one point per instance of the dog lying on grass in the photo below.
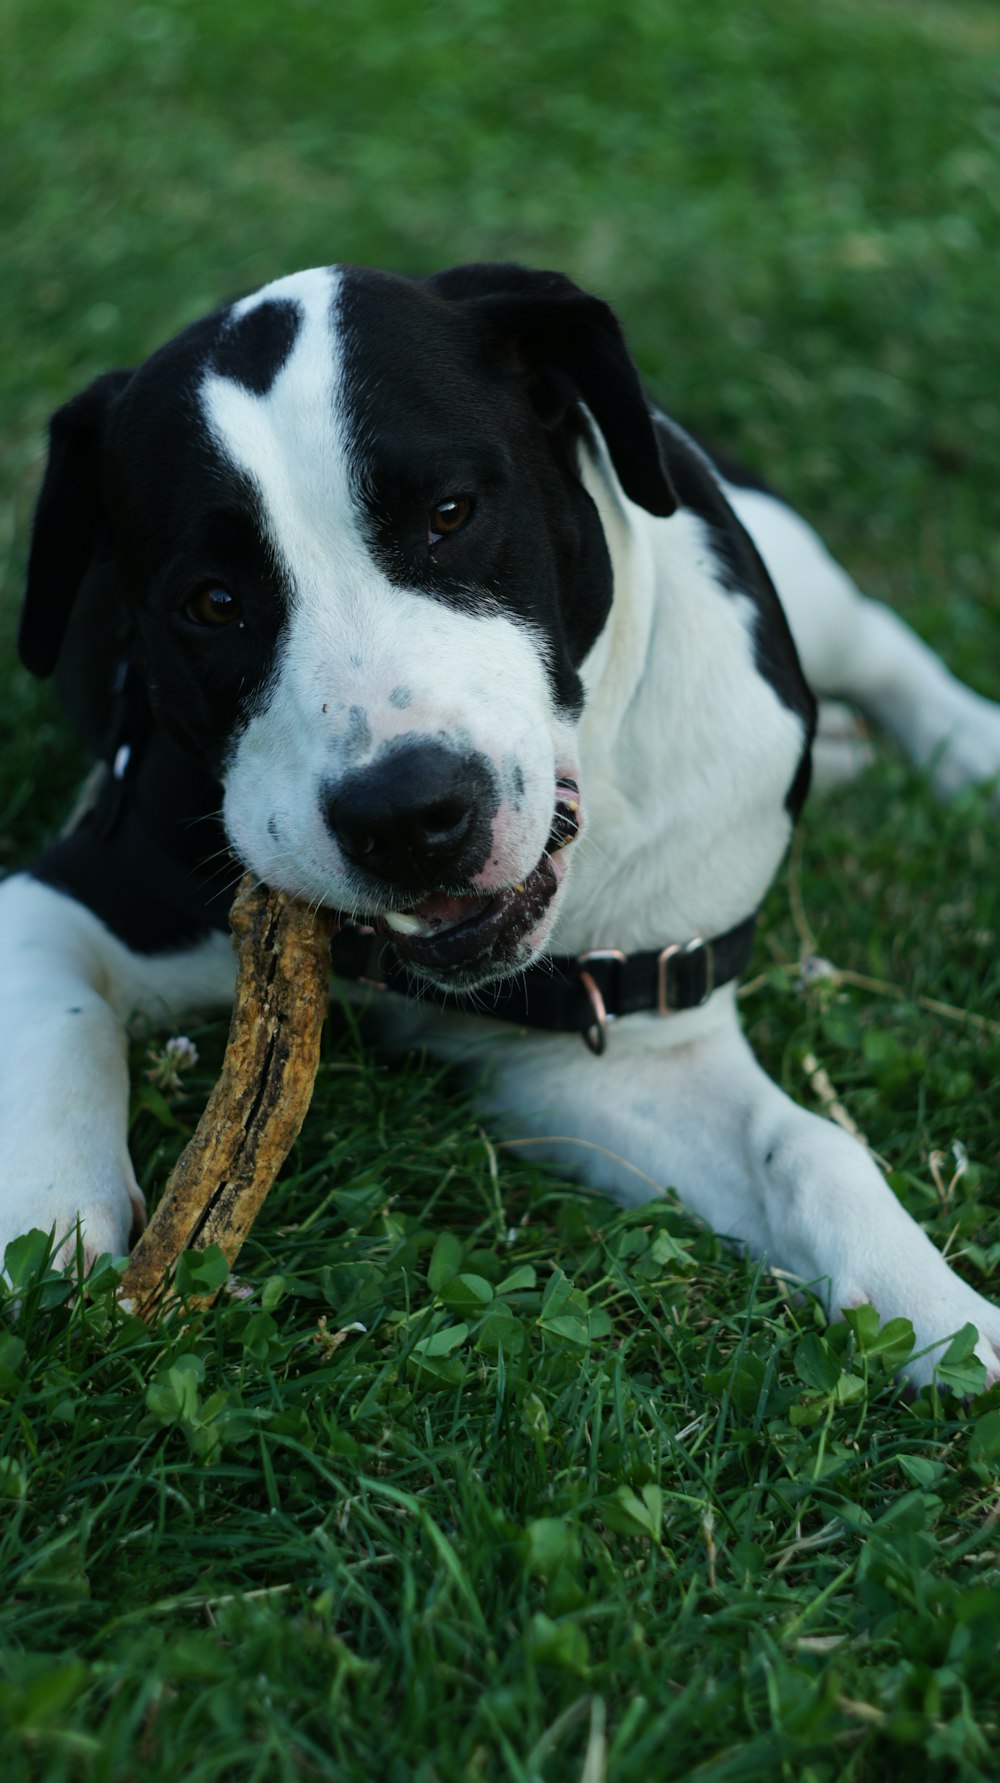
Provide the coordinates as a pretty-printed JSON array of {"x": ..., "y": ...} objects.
[{"x": 401, "y": 595}]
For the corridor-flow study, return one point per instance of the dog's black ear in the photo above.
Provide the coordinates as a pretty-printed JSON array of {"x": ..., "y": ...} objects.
[
  {"x": 571, "y": 347},
  {"x": 69, "y": 521}
]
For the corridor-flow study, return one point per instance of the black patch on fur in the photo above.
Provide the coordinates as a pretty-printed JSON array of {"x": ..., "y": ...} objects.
[
  {"x": 742, "y": 571},
  {"x": 253, "y": 348},
  {"x": 359, "y": 734},
  {"x": 168, "y": 515},
  {"x": 401, "y": 698},
  {"x": 185, "y": 517},
  {"x": 443, "y": 402},
  {"x": 570, "y": 348}
]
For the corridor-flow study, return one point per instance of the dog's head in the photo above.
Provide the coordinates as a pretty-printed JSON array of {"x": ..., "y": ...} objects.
[{"x": 347, "y": 517}]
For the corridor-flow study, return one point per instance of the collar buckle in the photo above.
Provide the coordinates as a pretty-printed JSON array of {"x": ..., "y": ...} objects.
[{"x": 669, "y": 996}]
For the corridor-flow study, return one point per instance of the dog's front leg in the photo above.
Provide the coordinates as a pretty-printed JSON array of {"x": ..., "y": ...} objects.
[
  {"x": 684, "y": 1104},
  {"x": 67, "y": 988}
]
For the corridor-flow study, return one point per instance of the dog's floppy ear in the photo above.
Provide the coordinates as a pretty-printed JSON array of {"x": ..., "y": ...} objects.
[
  {"x": 69, "y": 520},
  {"x": 570, "y": 346}
]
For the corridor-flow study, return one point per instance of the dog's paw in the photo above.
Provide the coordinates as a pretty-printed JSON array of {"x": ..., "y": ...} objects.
[
  {"x": 92, "y": 1219},
  {"x": 842, "y": 748},
  {"x": 969, "y": 752},
  {"x": 938, "y": 1307}
]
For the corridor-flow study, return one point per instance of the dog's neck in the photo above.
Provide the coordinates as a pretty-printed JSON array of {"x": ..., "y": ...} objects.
[{"x": 686, "y": 758}]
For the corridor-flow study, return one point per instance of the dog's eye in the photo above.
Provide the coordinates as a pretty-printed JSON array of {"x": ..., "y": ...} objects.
[
  {"x": 448, "y": 516},
  {"x": 213, "y": 606}
]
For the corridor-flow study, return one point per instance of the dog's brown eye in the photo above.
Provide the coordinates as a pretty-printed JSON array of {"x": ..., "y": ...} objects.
[
  {"x": 213, "y": 606},
  {"x": 447, "y": 517}
]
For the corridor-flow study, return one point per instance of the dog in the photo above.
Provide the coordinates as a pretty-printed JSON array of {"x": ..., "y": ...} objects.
[{"x": 401, "y": 594}]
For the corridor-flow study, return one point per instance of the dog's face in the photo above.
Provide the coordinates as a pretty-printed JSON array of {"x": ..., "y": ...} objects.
[{"x": 346, "y": 515}]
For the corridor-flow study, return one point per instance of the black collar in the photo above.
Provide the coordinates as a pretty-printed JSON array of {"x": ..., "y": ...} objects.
[
  {"x": 564, "y": 993},
  {"x": 568, "y": 993}
]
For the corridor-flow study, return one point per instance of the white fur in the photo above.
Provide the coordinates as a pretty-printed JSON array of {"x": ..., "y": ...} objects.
[
  {"x": 69, "y": 988},
  {"x": 685, "y": 754}
]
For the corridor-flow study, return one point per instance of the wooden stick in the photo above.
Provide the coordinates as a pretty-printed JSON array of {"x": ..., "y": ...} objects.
[{"x": 254, "y": 1113}]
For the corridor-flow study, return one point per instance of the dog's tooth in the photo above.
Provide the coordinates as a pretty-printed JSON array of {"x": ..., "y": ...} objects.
[
  {"x": 565, "y": 826},
  {"x": 403, "y": 924}
]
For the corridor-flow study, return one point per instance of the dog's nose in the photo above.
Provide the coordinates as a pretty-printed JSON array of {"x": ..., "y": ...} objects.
[{"x": 419, "y": 817}]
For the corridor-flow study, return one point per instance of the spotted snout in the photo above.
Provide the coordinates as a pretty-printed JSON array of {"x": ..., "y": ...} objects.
[{"x": 417, "y": 818}]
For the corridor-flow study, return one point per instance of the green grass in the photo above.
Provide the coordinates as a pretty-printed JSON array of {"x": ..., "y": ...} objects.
[{"x": 588, "y": 1496}]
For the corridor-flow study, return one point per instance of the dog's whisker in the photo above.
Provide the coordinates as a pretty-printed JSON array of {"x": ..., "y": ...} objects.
[{"x": 202, "y": 817}]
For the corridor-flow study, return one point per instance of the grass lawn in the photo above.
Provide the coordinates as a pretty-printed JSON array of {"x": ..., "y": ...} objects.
[{"x": 587, "y": 1497}]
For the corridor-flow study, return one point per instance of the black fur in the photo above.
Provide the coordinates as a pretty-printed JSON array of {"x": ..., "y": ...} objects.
[
  {"x": 253, "y": 348},
  {"x": 70, "y": 531},
  {"x": 464, "y": 385},
  {"x": 151, "y": 857}
]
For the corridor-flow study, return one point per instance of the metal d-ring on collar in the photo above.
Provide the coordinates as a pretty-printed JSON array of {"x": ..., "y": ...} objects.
[{"x": 596, "y": 1036}]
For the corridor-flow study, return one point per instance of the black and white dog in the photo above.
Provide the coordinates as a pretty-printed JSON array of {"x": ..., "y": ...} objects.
[{"x": 400, "y": 594}]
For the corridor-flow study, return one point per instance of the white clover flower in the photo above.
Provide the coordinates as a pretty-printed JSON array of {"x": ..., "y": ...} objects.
[
  {"x": 166, "y": 1064},
  {"x": 815, "y": 969}
]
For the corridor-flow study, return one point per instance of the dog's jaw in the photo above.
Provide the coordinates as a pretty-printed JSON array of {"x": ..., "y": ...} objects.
[{"x": 459, "y": 936}]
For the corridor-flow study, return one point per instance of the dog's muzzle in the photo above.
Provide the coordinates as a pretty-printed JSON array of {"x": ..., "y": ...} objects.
[{"x": 419, "y": 825}]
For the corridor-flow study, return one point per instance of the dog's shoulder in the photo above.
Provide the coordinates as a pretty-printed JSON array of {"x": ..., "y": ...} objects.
[{"x": 699, "y": 475}]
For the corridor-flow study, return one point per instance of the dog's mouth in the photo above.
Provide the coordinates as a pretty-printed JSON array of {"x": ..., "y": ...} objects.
[{"x": 465, "y": 938}]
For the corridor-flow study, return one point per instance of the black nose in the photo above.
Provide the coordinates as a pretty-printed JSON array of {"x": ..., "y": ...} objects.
[{"x": 419, "y": 817}]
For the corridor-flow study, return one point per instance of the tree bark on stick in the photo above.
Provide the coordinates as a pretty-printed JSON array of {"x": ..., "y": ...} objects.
[{"x": 255, "y": 1111}]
